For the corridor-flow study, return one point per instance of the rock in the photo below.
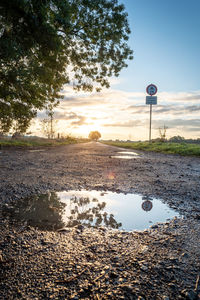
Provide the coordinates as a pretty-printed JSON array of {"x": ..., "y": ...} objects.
[
  {"x": 80, "y": 227},
  {"x": 64, "y": 230},
  {"x": 154, "y": 226},
  {"x": 128, "y": 288},
  {"x": 185, "y": 255},
  {"x": 144, "y": 268},
  {"x": 172, "y": 286},
  {"x": 113, "y": 275},
  {"x": 189, "y": 295}
]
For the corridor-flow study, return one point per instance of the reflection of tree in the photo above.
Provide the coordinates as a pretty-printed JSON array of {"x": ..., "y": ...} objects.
[
  {"x": 90, "y": 212},
  {"x": 42, "y": 211},
  {"x": 47, "y": 211}
]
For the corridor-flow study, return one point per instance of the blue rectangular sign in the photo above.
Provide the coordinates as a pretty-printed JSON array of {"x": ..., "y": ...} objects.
[{"x": 151, "y": 100}]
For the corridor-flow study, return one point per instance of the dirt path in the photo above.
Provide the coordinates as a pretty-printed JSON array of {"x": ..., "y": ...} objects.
[
  {"x": 80, "y": 263},
  {"x": 92, "y": 166}
]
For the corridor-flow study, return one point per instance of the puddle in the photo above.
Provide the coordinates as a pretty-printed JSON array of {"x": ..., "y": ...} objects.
[
  {"x": 126, "y": 155},
  {"x": 37, "y": 150},
  {"x": 91, "y": 208}
]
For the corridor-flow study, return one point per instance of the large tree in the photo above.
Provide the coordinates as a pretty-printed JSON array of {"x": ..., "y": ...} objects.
[
  {"x": 48, "y": 43},
  {"x": 94, "y": 135}
]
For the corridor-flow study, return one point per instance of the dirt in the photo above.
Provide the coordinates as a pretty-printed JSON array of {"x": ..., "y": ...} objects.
[{"x": 81, "y": 263}]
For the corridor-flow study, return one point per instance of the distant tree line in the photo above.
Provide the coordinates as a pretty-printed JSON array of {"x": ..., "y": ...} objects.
[{"x": 180, "y": 139}]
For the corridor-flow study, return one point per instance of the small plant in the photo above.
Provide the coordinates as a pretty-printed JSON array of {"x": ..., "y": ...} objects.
[{"x": 162, "y": 133}]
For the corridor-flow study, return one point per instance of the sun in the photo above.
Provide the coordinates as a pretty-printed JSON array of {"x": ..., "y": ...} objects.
[{"x": 84, "y": 130}]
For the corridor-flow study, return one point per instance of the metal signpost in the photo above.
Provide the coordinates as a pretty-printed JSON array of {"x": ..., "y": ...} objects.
[{"x": 151, "y": 100}]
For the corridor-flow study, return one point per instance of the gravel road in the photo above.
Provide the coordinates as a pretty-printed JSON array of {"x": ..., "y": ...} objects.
[{"x": 80, "y": 263}]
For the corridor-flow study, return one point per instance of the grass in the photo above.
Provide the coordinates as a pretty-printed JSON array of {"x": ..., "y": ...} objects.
[
  {"x": 170, "y": 148},
  {"x": 39, "y": 142}
]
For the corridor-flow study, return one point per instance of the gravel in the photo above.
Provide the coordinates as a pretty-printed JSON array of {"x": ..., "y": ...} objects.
[{"x": 96, "y": 263}]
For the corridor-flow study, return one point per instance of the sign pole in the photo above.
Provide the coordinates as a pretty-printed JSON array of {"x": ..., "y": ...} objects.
[
  {"x": 151, "y": 90},
  {"x": 150, "y": 123}
]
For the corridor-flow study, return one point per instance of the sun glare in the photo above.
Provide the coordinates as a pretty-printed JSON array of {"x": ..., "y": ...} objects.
[{"x": 84, "y": 130}]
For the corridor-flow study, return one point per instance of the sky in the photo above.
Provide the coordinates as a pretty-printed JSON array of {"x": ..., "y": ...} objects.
[{"x": 165, "y": 38}]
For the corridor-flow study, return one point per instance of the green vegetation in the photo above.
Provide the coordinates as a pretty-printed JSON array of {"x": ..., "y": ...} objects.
[
  {"x": 170, "y": 148},
  {"x": 39, "y": 142},
  {"x": 47, "y": 44}
]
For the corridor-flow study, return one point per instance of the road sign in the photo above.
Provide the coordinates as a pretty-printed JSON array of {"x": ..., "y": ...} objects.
[
  {"x": 151, "y": 89},
  {"x": 151, "y": 100}
]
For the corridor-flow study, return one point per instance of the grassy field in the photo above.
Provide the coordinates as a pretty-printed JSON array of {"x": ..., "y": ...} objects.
[
  {"x": 39, "y": 142},
  {"x": 171, "y": 148}
]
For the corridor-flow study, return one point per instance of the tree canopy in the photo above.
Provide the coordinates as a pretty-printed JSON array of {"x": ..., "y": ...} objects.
[
  {"x": 94, "y": 135},
  {"x": 48, "y": 43}
]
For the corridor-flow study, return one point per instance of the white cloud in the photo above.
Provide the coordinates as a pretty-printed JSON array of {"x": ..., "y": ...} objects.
[{"x": 116, "y": 111}]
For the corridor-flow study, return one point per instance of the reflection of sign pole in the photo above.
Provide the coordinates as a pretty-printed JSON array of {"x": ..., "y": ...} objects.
[{"x": 152, "y": 100}]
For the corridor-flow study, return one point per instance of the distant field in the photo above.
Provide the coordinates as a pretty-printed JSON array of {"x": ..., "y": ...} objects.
[
  {"x": 171, "y": 148},
  {"x": 39, "y": 142}
]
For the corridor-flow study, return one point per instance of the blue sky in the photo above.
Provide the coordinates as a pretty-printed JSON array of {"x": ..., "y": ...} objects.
[
  {"x": 166, "y": 42},
  {"x": 165, "y": 39}
]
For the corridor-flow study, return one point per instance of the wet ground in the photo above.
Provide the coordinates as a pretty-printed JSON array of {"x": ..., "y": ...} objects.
[{"x": 96, "y": 263}]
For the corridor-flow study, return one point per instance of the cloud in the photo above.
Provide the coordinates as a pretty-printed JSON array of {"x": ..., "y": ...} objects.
[
  {"x": 78, "y": 119},
  {"x": 79, "y": 122},
  {"x": 179, "y": 97},
  {"x": 66, "y": 116},
  {"x": 124, "y": 124},
  {"x": 116, "y": 111},
  {"x": 186, "y": 123},
  {"x": 169, "y": 109}
]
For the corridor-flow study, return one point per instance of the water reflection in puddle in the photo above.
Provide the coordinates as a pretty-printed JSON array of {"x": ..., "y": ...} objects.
[
  {"x": 126, "y": 155},
  {"x": 37, "y": 150},
  {"x": 91, "y": 208}
]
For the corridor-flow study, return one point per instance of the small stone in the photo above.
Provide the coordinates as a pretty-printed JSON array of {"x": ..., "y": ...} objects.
[
  {"x": 144, "y": 268},
  {"x": 190, "y": 295},
  {"x": 154, "y": 226},
  {"x": 80, "y": 227},
  {"x": 172, "y": 286},
  {"x": 113, "y": 275},
  {"x": 63, "y": 230},
  {"x": 127, "y": 288},
  {"x": 185, "y": 255},
  {"x": 166, "y": 298}
]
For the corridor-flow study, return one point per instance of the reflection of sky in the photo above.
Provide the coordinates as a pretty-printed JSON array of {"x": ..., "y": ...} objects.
[{"x": 125, "y": 208}]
